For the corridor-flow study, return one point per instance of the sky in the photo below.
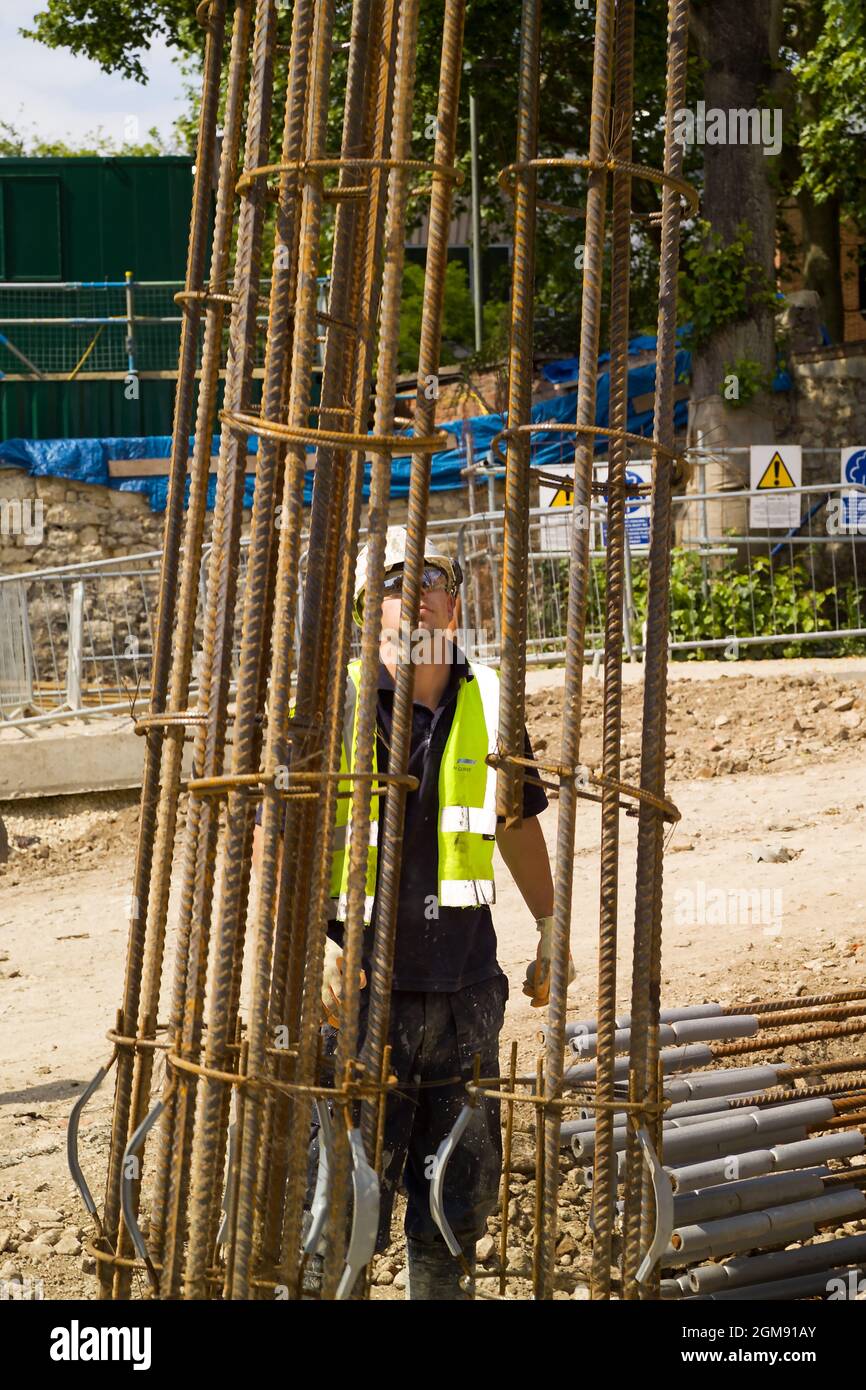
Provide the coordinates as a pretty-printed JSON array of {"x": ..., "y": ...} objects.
[{"x": 64, "y": 97}]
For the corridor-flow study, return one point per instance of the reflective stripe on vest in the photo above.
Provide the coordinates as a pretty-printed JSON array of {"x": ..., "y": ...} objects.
[
  {"x": 467, "y": 795},
  {"x": 343, "y": 827},
  {"x": 466, "y": 831}
]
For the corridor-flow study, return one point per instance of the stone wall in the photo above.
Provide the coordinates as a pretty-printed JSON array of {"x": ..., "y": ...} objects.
[
  {"x": 60, "y": 522},
  {"x": 50, "y": 522},
  {"x": 828, "y": 406}
]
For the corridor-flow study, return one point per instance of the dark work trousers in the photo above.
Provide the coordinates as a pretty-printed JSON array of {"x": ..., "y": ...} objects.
[{"x": 435, "y": 1037}]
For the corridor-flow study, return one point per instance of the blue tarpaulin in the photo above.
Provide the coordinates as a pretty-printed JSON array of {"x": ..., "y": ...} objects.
[{"x": 86, "y": 460}]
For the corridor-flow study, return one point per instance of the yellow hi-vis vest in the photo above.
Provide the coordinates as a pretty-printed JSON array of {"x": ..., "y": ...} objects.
[{"x": 467, "y": 800}]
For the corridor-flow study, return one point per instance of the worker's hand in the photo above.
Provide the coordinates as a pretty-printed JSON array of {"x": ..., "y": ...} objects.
[
  {"x": 332, "y": 982},
  {"x": 537, "y": 983}
]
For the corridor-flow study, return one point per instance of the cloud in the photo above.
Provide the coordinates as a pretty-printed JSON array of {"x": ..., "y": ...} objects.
[{"x": 65, "y": 97}]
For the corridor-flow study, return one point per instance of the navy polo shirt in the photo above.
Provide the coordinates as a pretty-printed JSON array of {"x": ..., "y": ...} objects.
[{"x": 436, "y": 948}]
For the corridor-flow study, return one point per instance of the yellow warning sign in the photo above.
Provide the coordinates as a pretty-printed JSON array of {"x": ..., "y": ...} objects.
[
  {"x": 562, "y": 499},
  {"x": 776, "y": 474}
]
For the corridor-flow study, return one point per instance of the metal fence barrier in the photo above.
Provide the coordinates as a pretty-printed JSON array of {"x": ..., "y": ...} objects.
[
  {"x": 88, "y": 328},
  {"x": 78, "y": 639}
]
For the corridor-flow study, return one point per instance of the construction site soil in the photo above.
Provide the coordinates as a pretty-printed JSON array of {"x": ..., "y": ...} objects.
[{"x": 765, "y": 898}]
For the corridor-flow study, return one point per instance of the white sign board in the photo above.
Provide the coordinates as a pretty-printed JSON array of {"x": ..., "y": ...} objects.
[
  {"x": 637, "y": 512},
  {"x": 853, "y": 516},
  {"x": 555, "y": 528},
  {"x": 776, "y": 470}
]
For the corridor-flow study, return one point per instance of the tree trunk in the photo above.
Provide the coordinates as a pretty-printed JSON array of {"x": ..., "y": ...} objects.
[
  {"x": 738, "y": 43},
  {"x": 822, "y": 257}
]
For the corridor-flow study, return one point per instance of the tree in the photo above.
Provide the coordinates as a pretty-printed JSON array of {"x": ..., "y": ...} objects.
[
  {"x": 824, "y": 55},
  {"x": 806, "y": 56},
  {"x": 116, "y": 33},
  {"x": 738, "y": 45},
  {"x": 15, "y": 141}
]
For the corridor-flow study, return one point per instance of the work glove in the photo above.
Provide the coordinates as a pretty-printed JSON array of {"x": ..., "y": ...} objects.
[
  {"x": 332, "y": 982},
  {"x": 537, "y": 983}
]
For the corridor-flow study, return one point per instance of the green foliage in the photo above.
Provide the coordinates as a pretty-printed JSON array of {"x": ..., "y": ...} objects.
[
  {"x": 827, "y": 41},
  {"x": 458, "y": 322},
  {"x": 822, "y": 83},
  {"x": 115, "y": 33},
  {"x": 763, "y": 600},
  {"x": 14, "y": 141},
  {"x": 721, "y": 283},
  {"x": 750, "y": 379}
]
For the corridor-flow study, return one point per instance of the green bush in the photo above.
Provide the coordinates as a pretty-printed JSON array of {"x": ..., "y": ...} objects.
[{"x": 764, "y": 600}]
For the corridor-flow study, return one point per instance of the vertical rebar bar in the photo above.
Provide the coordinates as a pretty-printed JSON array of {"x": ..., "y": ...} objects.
[
  {"x": 197, "y": 892},
  {"x": 643, "y": 1085},
  {"x": 164, "y": 632},
  {"x": 377, "y": 524},
  {"x": 391, "y": 824},
  {"x": 603, "y": 1204},
  {"x": 515, "y": 554},
  {"x": 579, "y": 562},
  {"x": 303, "y": 352},
  {"x": 189, "y": 590}
]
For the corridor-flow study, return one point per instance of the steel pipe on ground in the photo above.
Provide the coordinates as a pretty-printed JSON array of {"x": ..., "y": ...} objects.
[
  {"x": 690, "y": 1030},
  {"x": 775, "y": 1265},
  {"x": 801, "y": 1286},
  {"x": 778, "y": 1158},
  {"x": 731, "y": 1234},
  {"x": 590, "y": 1025}
]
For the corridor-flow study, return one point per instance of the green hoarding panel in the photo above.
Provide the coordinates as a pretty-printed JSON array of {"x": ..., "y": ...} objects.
[
  {"x": 83, "y": 409},
  {"x": 114, "y": 214},
  {"x": 30, "y": 244}
]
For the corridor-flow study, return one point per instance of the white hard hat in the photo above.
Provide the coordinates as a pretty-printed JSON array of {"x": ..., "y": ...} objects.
[{"x": 396, "y": 540}]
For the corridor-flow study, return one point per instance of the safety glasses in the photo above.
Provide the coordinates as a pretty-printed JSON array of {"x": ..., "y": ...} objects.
[{"x": 432, "y": 580}]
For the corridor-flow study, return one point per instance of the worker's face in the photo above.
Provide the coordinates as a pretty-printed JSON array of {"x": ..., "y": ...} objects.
[{"x": 436, "y": 610}]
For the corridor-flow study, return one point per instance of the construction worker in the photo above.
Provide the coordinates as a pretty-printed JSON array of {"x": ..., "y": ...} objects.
[{"x": 449, "y": 991}]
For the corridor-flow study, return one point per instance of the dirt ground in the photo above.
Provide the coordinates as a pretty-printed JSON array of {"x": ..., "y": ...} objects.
[{"x": 758, "y": 763}]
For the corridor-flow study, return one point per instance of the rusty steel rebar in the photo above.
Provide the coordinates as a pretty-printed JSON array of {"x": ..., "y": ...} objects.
[
  {"x": 377, "y": 524},
  {"x": 621, "y": 142},
  {"x": 197, "y": 894},
  {"x": 515, "y": 552},
  {"x": 391, "y": 826},
  {"x": 260, "y": 937},
  {"x": 214, "y": 18},
  {"x": 190, "y": 579},
  {"x": 314, "y": 673},
  {"x": 638, "y": 1214}
]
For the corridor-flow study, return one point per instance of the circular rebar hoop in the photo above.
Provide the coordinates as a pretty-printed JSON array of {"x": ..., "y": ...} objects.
[
  {"x": 484, "y": 1088},
  {"x": 248, "y": 423},
  {"x": 134, "y": 1264},
  {"x": 170, "y": 719},
  {"x": 600, "y": 489},
  {"x": 564, "y": 427},
  {"x": 188, "y": 299},
  {"x": 218, "y": 786},
  {"x": 512, "y": 172},
  {"x": 666, "y": 809},
  {"x": 316, "y": 168},
  {"x": 346, "y": 1094}
]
